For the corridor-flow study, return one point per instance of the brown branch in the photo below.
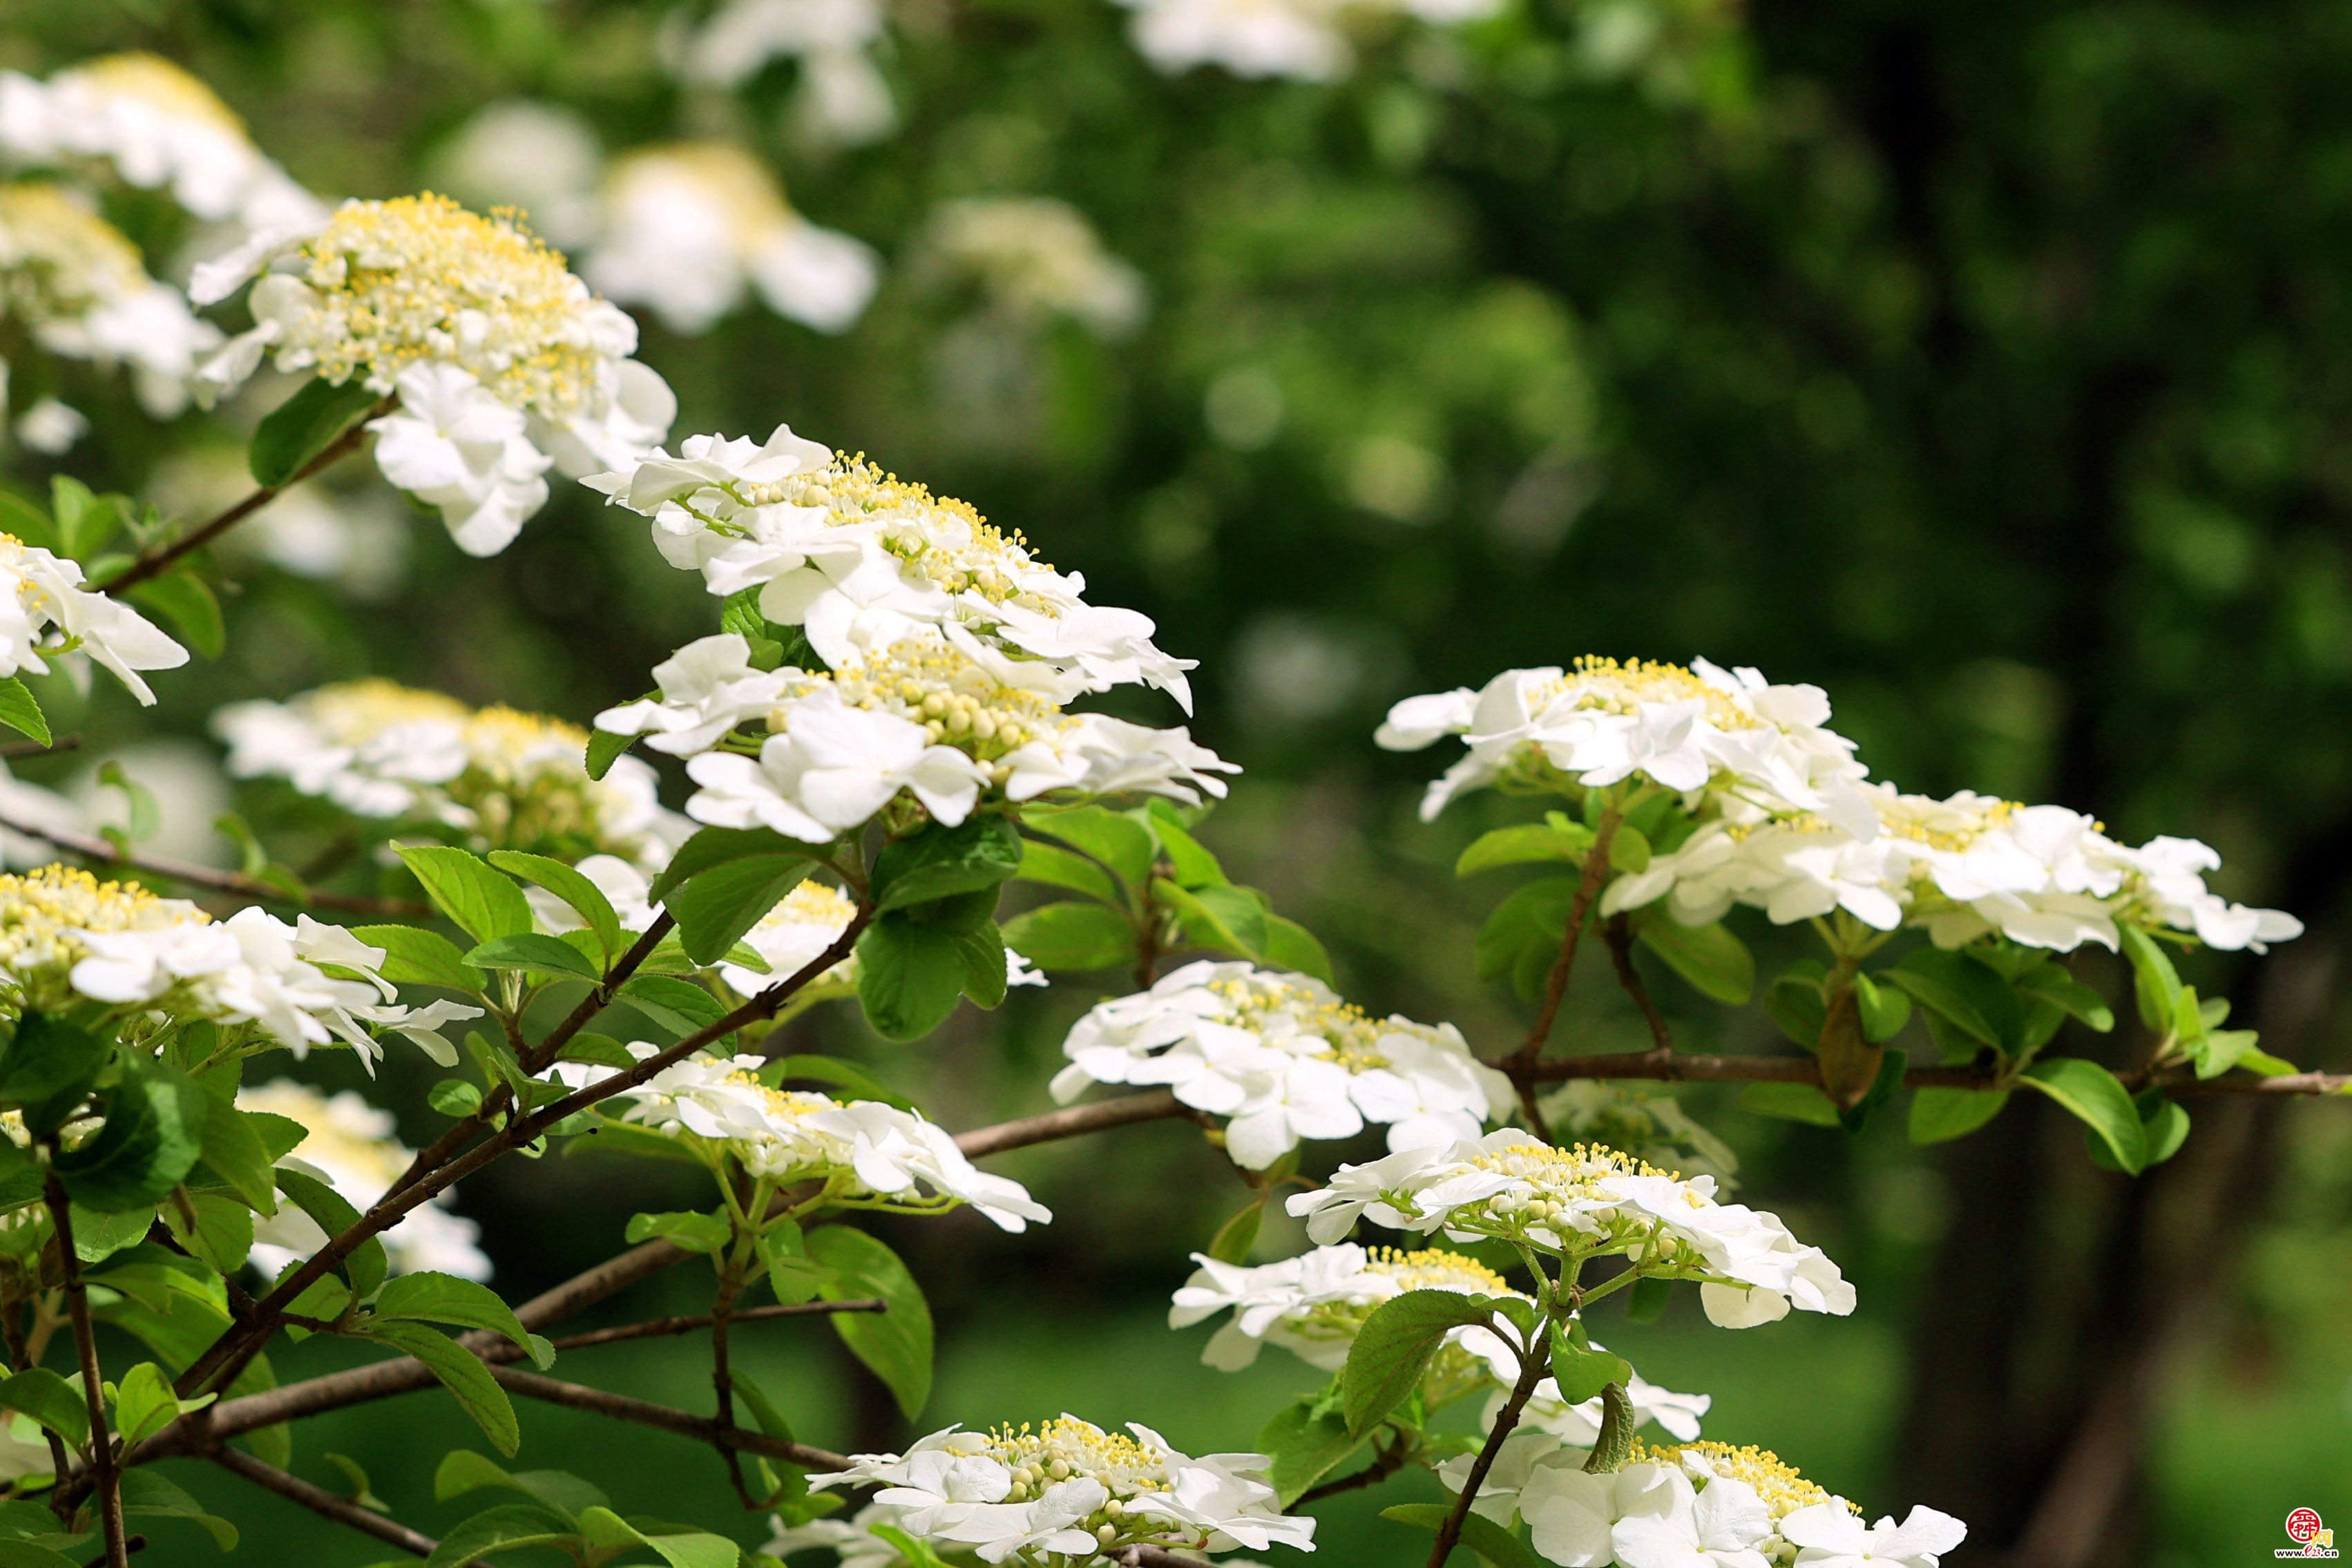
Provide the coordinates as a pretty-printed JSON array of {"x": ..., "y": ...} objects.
[
  {"x": 1143, "y": 1554},
  {"x": 1588, "y": 887},
  {"x": 12, "y": 750},
  {"x": 663, "y": 1328},
  {"x": 686, "y": 1423},
  {"x": 1386, "y": 1462},
  {"x": 1157, "y": 1105},
  {"x": 1619, "y": 934},
  {"x": 242, "y": 1340},
  {"x": 90, "y": 848},
  {"x": 320, "y": 1501},
  {"x": 107, "y": 1478},
  {"x": 1532, "y": 1367},
  {"x": 155, "y": 561},
  {"x": 1686, "y": 1069}
]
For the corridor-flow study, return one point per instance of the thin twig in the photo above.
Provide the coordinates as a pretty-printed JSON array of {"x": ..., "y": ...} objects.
[
  {"x": 223, "y": 1355},
  {"x": 1588, "y": 888},
  {"x": 685, "y": 1422},
  {"x": 1532, "y": 1367},
  {"x": 90, "y": 848},
  {"x": 1125, "y": 1110},
  {"x": 12, "y": 750},
  {"x": 662, "y": 1328},
  {"x": 1683, "y": 1067},
  {"x": 1619, "y": 934},
  {"x": 1143, "y": 1554},
  {"x": 154, "y": 562},
  {"x": 101, "y": 1443},
  {"x": 1386, "y": 1462},
  {"x": 320, "y": 1501}
]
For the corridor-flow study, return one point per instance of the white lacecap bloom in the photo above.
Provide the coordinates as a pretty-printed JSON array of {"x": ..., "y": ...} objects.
[
  {"x": 1032, "y": 258},
  {"x": 350, "y": 1145},
  {"x": 45, "y": 613},
  {"x": 1301, "y": 39},
  {"x": 1581, "y": 1201},
  {"x": 509, "y": 779},
  {"x": 842, "y": 98},
  {"x": 77, "y": 289},
  {"x": 159, "y": 128},
  {"x": 936, "y": 715},
  {"x": 860, "y": 559},
  {"x": 881, "y": 1156},
  {"x": 500, "y": 362},
  {"x": 64, "y": 934},
  {"x": 685, "y": 228},
  {"x": 541, "y": 157},
  {"x": 1068, "y": 1487},
  {"x": 1605, "y": 720},
  {"x": 1286, "y": 1059}
]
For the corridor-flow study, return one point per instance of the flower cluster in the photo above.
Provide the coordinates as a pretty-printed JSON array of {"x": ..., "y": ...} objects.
[
  {"x": 1312, "y": 1305},
  {"x": 159, "y": 129},
  {"x": 349, "y": 1144},
  {"x": 1032, "y": 258},
  {"x": 507, "y": 779},
  {"x": 1647, "y": 1123},
  {"x": 63, "y": 935},
  {"x": 1782, "y": 818},
  {"x": 1285, "y": 1058},
  {"x": 76, "y": 285},
  {"x": 44, "y": 612},
  {"x": 1694, "y": 1505},
  {"x": 1307, "y": 40},
  {"x": 683, "y": 228},
  {"x": 860, "y": 559},
  {"x": 1068, "y": 1488},
  {"x": 1581, "y": 1202},
  {"x": 842, "y": 100},
  {"x": 869, "y": 1154},
  {"x": 499, "y": 360}
]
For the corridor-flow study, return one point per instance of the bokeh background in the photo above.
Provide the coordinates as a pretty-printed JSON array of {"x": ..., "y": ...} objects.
[{"x": 1988, "y": 365}]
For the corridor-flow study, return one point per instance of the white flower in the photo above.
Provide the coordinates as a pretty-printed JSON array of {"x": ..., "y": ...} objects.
[
  {"x": 1286, "y": 1059},
  {"x": 685, "y": 227},
  {"x": 830, "y": 772},
  {"x": 45, "y": 610},
  {"x": 540, "y": 157},
  {"x": 1033, "y": 258},
  {"x": 160, "y": 127},
  {"x": 841, "y": 99},
  {"x": 1720, "y": 1526},
  {"x": 707, "y": 687},
  {"x": 1572, "y": 1515},
  {"x": 1829, "y": 1535},
  {"x": 1370, "y": 1191},
  {"x": 1294, "y": 38},
  {"x": 349, "y": 1144},
  {"x": 1314, "y": 1305},
  {"x": 473, "y": 324}
]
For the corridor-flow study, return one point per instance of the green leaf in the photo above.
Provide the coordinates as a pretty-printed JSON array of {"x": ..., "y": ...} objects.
[
  {"x": 1117, "y": 841},
  {"x": 99, "y": 1237},
  {"x": 47, "y": 1066},
  {"x": 1629, "y": 850},
  {"x": 1794, "y": 1004},
  {"x": 695, "y": 1231},
  {"x": 84, "y": 522},
  {"x": 1524, "y": 843},
  {"x": 714, "y": 846},
  {"x": 1306, "y": 1442},
  {"x": 1790, "y": 1103},
  {"x": 840, "y": 1074},
  {"x": 1072, "y": 936},
  {"x": 462, "y": 1470},
  {"x": 1885, "y": 1009},
  {"x": 49, "y": 1400},
  {"x": 2155, "y": 985},
  {"x": 446, "y": 1299},
  {"x": 304, "y": 426},
  {"x": 941, "y": 862},
  {"x": 1055, "y": 867},
  {"x": 1395, "y": 1346},
  {"x": 479, "y": 900},
  {"x": 1955, "y": 988},
  {"x": 2092, "y": 1093},
  {"x": 415, "y": 956},
  {"x": 365, "y": 1267},
  {"x": 362, "y": 1490},
  {"x": 1580, "y": 1371},
  {"x": 601, "y": 1527},
  {"x": 20, "y": 711},
  {"x": 909, "y": 977},
  {"x": 1938, "y": 1115},
  {"x": 148, "y": 1495},
  {"x": 1482, "y": 1535},
  {"x": 981, "y": 953},
  {"x": 509, "y": 1525},
  {"x": 222, "y": 1235},
  {"x": 1190, "y": 863},
  {"x": 2164, "y": 1126},
  {"x": 604, "y": 748},
  {"x": 28, "y": 1554},
  {"x": 185, "y": 600},
  {"x": 585, "y": 898},
  {"x": 1235, "y": 1239},
  {"x": 895, "y": 1343},
  {"x": 676, "y": 1004},
  {"x": 1222, "y": 920},
  {"x": 1646, "y": 1301},
  {"x": 144, "y": 1404},
  {"x": 1291, "y": 946},
  {"x": 534, "y": 952},
  {"x": 715, "y": 908},
  {"x": 792, "y": 1274},
  {"x": 235, "y": 1151},
  {"x": 1533, "y": 917},
  {"x": 1717, "y": 964},
  {"x": 153, "y": 1135},
  {"x": 455, "y": 1097},
  {"x": 461, "y": 1373},
  {"x": 2050, "y": 981}
]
